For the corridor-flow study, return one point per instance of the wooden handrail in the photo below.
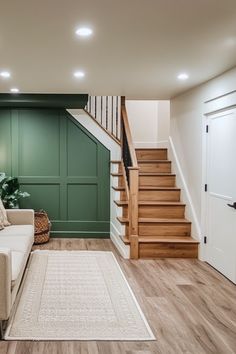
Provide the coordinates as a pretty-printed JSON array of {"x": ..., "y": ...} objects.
[
  {"x": 133, "y": 185},
  {"x": 124, "y": 117}
]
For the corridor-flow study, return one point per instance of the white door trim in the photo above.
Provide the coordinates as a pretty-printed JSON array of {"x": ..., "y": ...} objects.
[
  {"x": 215, "y": 106},
  {"x": 226, "y": 102}
]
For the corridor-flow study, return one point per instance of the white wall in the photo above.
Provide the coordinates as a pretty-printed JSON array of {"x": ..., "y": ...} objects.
[
  {"x": 149, "y": 122},
  {"x": 186, "y": 131}
]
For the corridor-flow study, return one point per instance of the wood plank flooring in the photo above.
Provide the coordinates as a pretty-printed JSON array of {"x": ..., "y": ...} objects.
[{"x": 190, "y": 307}]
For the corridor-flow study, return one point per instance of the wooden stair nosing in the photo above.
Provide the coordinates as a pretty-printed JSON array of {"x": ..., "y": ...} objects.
[
  {"x": 116, "y": 174},
  {"x": 167, "y": 239},
  {"x": 146, "y": 149},
  {"x": 150, "y": 203},
  {"x": 123, "y": 220},
  {"x": 154, "y": 161},
  {"x": 164, "y": 239},
  {"x": 162, "y": 188},
  {"x": 158, "y": 174},
  {"x": 164, "y": 220},
  {"x": 118, "y": 188}
]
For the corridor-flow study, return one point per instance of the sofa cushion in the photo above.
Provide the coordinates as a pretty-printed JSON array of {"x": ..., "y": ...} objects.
[
  {"x": 16, "y": 243},
  {"x": 17, "y": 262},
  {"x": 18, "y": 230}
]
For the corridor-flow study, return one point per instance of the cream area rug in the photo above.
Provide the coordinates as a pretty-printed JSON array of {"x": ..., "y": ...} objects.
[{"x": 76, "y": 295}]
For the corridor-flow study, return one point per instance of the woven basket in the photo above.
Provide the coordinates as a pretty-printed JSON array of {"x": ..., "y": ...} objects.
[{"x": 42, "y": 227}]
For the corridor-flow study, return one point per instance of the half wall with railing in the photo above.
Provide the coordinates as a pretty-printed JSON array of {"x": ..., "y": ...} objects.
[{"x": 110, "y": 113}]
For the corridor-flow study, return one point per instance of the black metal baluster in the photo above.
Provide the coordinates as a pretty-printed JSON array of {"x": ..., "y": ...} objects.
[
  {"x": 95, "y": 108},
  {"x": 101, "y": 108},
  {"x": 106, "y": 112},
  {"x": 112, "y": 108}
]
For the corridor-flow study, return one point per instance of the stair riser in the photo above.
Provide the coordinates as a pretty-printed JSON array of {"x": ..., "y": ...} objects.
[
  {"x": 162, "y": 229},
  {"x": 123, "y": 195},
  {"x": 152, "y": 211},
  {"x": 157, "y": 181},
  {"x": 151, "y": 154},
  {"x": 159, "y": 195},
  {"x": 160, "y": 250},
  {"x": 125, "y": 211},
  {"x": 155, "y": 167},
  {"x": 148, "y": 211},
  {"x": 120, "y": 181}
]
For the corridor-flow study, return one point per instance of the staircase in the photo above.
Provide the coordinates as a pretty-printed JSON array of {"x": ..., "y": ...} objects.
[
  {"x": 163, "y": 230},
  {"x": 147, "y": 198}
]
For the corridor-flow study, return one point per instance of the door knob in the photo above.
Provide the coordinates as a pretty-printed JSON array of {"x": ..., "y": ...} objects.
[{"x": 232, "y": 205}]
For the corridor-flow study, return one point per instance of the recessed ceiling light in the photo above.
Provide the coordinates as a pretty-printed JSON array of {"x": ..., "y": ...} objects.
[
  {"x": 183, "y": 76},
  {"x": 84, "y": 32},
  {"x": 5, "y": 74},
  {"x": 79, "y": 74},
  {"x": 14, "y": 90}
]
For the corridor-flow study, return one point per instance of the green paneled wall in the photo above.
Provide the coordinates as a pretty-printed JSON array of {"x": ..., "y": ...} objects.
[{"x": 62, "y": 166}]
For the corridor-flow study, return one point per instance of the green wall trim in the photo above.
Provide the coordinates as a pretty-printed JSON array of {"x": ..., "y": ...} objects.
[
  {"x": 37, "y": 100},
  {"x": 82, "y": 234},
  {"x": 62, "y": 165}
]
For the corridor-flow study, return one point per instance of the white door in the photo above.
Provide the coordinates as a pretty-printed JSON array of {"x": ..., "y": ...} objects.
[{"x": 221, "y": 193}]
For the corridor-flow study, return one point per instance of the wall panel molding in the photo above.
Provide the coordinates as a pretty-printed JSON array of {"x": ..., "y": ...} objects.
[{"x": 62, "y": 166}]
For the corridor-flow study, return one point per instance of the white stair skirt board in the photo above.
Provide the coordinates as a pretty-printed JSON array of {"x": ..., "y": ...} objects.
[
  {"x": 76, "y": 295},
  {"x": 185, "y": 194},
  {"x": 88, "y": 123},
  {"x": 123, "y": 249}
]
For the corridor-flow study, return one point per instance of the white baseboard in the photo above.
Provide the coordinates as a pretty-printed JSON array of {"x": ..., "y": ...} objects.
[
  {"x": 185, "y": 193},
  {"x": 123, "y": 249},
  {"x": 151, "y": 144}
]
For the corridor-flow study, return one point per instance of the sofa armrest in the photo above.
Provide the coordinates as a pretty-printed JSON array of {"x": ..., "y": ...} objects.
[
  {"x": 5, "y": 283},
  {"x": 20, "y": 216}
]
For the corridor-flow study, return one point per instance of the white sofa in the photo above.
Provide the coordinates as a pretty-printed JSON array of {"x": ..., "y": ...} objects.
[{"x": 15, "y": 245}]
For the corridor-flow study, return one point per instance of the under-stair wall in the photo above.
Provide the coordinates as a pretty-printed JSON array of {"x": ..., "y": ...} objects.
[
  {"x": 62, "y": 165},
  {"x": 110, "y": 140}
]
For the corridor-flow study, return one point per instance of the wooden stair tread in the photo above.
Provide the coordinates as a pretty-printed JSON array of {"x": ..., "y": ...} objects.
[
  {"x": 122, "y": 220},
  {"x": 161, "y": 220},
  {"x": 155, "y": 220},
  {"x": 146, "y": 149},
  {"x": 162, "y": 239},
  {"x": 158, "y": 203},
  {"x": 116, "y": 174},
  {"x": 167, "y": 239},
  {"x": 154, "y": 161},
  {"x": 159, "y": 188},
  {"x": 119, "y": 188},
  {"x": 156, "y": 174}
]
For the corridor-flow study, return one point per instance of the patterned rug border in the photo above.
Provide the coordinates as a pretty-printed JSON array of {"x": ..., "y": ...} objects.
[{"x": 7, "y": 336}]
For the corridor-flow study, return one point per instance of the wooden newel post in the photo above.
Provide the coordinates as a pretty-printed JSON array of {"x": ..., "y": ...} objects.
[{"x": 133, "y": 212}]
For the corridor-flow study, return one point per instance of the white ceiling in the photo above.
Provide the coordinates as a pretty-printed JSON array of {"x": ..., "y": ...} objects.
[{"x": 137, "y": 49}]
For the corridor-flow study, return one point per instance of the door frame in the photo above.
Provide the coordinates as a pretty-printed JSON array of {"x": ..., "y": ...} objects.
[{"x": 212, "y": 107}]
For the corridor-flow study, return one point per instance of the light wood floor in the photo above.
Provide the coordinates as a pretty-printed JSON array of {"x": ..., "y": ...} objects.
[{"x": 190, "y": 307}]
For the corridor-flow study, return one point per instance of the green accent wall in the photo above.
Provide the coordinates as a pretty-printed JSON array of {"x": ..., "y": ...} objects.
[{"x": 62, "y": 166}]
